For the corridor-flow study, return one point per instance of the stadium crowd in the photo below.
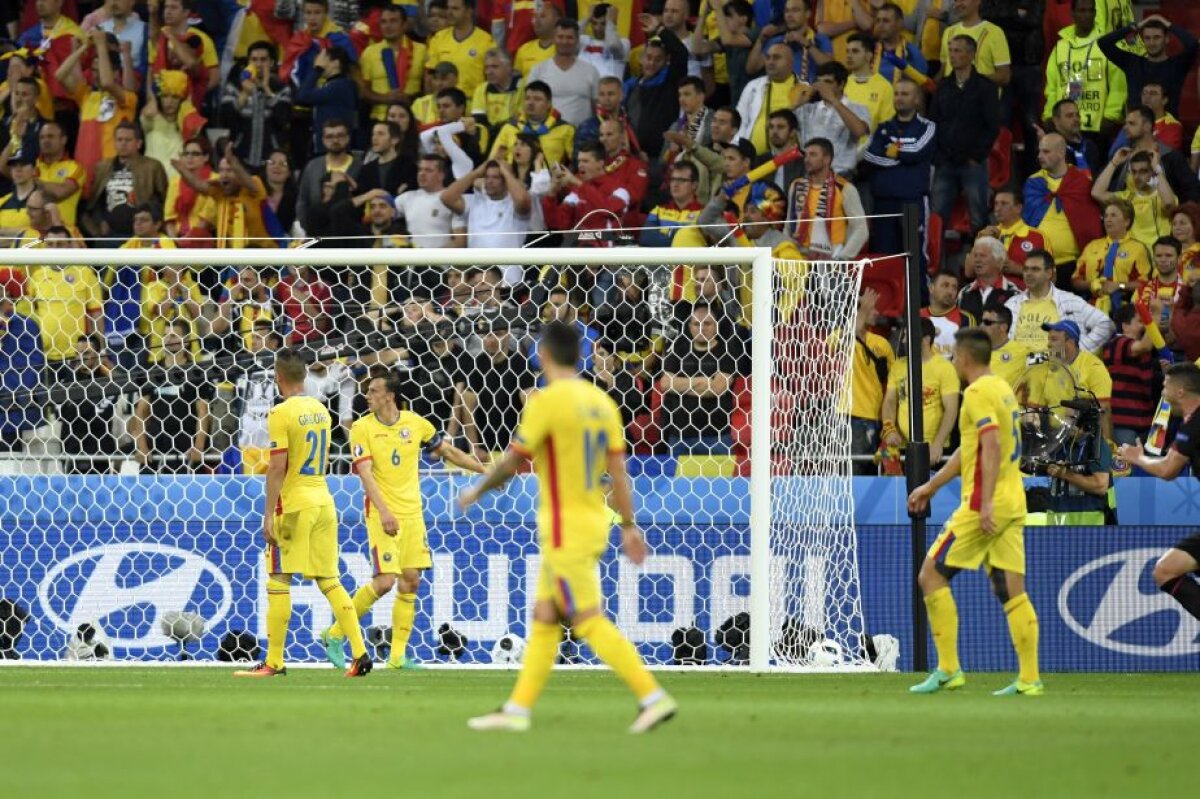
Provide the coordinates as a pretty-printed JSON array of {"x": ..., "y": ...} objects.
[{"x": 1041, "y": 140}]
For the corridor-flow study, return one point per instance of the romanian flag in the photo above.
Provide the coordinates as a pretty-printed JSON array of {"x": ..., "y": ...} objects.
[
  {"x": 52, "y": 46},
  {"x": 1073, "y": 199},
  {"x": 261, "y": 25},
  {"x": 301, "y": 51}
]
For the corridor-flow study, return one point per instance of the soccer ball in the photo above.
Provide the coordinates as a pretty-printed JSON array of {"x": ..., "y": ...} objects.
[
  {"x": 87, "y": 643},
  {"x": 508, "y": 649},
  {"x": 182, "y": 628},
  {"x": 825, "y": 653}
]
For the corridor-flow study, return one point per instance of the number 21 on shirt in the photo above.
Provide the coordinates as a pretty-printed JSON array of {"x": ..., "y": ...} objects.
[{"x": 317, "y": 462}]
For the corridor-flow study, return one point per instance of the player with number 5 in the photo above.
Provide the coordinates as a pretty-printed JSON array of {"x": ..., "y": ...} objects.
[{"x": 988, "y": 528}]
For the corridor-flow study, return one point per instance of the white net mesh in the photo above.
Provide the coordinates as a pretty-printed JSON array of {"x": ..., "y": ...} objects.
[{"x": 134, "y": 403}]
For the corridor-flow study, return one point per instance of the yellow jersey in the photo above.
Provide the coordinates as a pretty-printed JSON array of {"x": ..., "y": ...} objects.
[
  {"x": 991, "y": 48},
  {"x": 938, "y": 380},
  {"x": 299, "y": 426},
  {"x": 1008, "y": 362},
  {"x": 867, "y": 382},
  {"x": 62, "y": 299},
  {"x": 529, "y": 55},
  {"x": 1122, "y": 261},
  {"x": 386, "y": 68},
  {"x": 569, "y": 429},
  {"x": 60, "y": 172},
  {"x": 990, "y": 406},
  {"x": 467, "y": 55},
  {"x": 1027, "y": 327},
  {"x": 875, "y": 93},
  {"x": 394, "y": 453},
  {"x": 1055, "y": 227}
]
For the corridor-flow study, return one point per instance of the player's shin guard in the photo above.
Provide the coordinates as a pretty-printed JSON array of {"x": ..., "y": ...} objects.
[
  {"x": 1023, "y": 627},
  {"x": 1185, "y": 591},
  {"x": 403, "y": 614},
  {"x": 943, "y": 623},
  {"x": 364, "y": 598},
  {"x": 619, "y": 655},
  {"x": 279, "y": 613},
  {"x": 343, "y": 613},
  {"x": 536, "y": 666}
]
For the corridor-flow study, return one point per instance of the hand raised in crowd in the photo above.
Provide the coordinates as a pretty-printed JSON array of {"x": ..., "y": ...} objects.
[
  {"x": 1121, "y": 155},
  {"x": 650, "y": 23}
]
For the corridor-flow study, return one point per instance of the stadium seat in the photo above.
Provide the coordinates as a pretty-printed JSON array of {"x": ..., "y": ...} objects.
[
  {"x": 886, "y": 277},
  {"x": 706, "y": 466}
]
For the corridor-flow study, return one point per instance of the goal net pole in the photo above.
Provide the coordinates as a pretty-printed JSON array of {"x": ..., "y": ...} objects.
[{"x": 761, "y": 336}]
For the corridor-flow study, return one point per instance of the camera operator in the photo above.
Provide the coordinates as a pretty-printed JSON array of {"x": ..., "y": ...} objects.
[{"x": 1081, "y": 486}]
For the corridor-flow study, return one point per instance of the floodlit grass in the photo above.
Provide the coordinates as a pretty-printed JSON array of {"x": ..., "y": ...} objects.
[{"x": 134, "y": 732}]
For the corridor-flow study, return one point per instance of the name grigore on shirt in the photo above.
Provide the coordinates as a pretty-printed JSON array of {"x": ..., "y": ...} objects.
[{"x": 313, "y": 418}]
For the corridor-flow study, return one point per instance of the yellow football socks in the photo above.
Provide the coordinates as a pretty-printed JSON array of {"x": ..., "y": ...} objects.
[
  {"x": 279, "y": 613},
  {"x": 535, "y": 668},
  {"x": 403, "y": 613},
  {"x": 943, "y": 623},
  {"x": 343, "y": 613},
  {"x": 1023, "y": 627},
  {"x": 364, "y": 598},
  {"x": 619, "y": 654}
]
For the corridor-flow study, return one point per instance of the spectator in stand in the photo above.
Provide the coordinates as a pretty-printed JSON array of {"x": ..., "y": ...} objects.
[
  {"x": 1185, "y": 319},
  {"x": 147, "y": 230},
  {"x": 21, "y": 125},
  {"x": 497, "y": 216},
  {"x": 105, "y": 100},
  {"x": 560, "y": 308},
  {"x": 873, "y": 359},
  {"x": 652, "y": 100},
  {"x": 990, "y": 54},
  {"x": 183, "y": 206},
  {"x": 171, "y": 419},
  {"x": 168, "y": 118},
  {"x": 782, "y": 136},
  {"x": 122, "y": 182},
  {"x": 382, "y": 168},
  {"x": 675, "y": 14},
  {"x": 610, "y": 95},
  {"x": 494, "y": 390},
  {"x": 541, "y": 46},
  {"x": 709, "y": 287},
  {"x": 118, "y": 18},
  {"x": 318, "y": 32},
  {"x": 572, "y": 81},
  {"x": 1185, "y": 228},
  {"x": 255, "y": 393},
  {"x": 439, "y": 78},
  {"x": 86, "y": 422},
  {"x": 626, "y": 322},
  {"x": 1021, "y": 22},
  {"x": 27, "y": 66},
  {"x": 67, "y": 302},
  {"x": 175, "y": 44},
  {"x": 1089, "y": 376},
  {"x": 462, "y": 44},
  {"x": 602, "y": 44},
  {"x": 1042, "y": 302},
  {"x": 60, "y": 178},
  {"x": 1168, "y": 285},
  {"x": 681, "y": 210},
  {"x": 14, "y": 219},
  {"x": 900, "y": 155},
  {"x": 307, "y": 303},
  {"x": 939, "y": 397},
  {"x": 53, "y": 35},
  {"x": 42, "y": 216},
  {"x": 1111, "y": 268},
  {"x": 496, "y": 100},
  {"x": 430, "y": 222},
  {"x": 579, "y": 194},
  {"x": 1009, "y": 356},
  {"x": 1168, "y": 131},
  {"x": 627, "y": 167},
  {"x": 826, "y": 113},
  {"x": 728, "y": 27},
  {"x": 709, "y": 159},
  {"x": 1079, "y": 72},
  {"x": 967, "y": 115},
  {"x": 1129, "y": 357},
  {"x": 693, "y": 125},
  {"x": 1082, "y": 151},
  {"x": 1059, "y": 205},
  {"x": 1017, "y": 237},
  {"x": 21, "y": 365},
  {"x": 437, "y": 17},
  {"x": 392, "y": 68},
  {"x": 257, "y": 106},
  {"x": 896, "y": 55},
  {"x": 455, "y": 135},
  {"x": 1150, "y": 195},
  {"x": 1155, "y": 66},
  {"x": 337, "y": 158},
  {"x": 335, "y": 99},
  {"x": 169, "y": 295},
  {"x": 439, "y": 376},
  {"x": 696, "y": 383},
  {"x": 1139, "y": 128},
  {"x": 236, "y": 212},
  {"x": 830, "y": 213},
  {"x": 840, "y": 21},
  {"x": 809, "y": 48},
  {"x": 990, "y": 286},
  {"x": 866, "y": 86},
  {"x": 245, "y": 299},
  {"x": 944, "y": 314},
  {"x": 775, "y": 91},
  {"x": 331, "y": 380},
  {"x": 556, "y": 137}
]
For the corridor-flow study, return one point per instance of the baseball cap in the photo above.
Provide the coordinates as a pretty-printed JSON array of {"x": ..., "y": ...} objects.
[{"x": 1066, "y": 326}]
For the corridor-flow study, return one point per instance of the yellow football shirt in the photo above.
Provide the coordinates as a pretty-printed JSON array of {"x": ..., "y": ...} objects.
[
  {"x": 1027, "y": 327},
  {"x": 529, "y": 55},
  {"x": 299, "y": 426},
  {"x": 1092, "y": 376},
  {"x": 59, "y": 172},
  {"x": 1131, "y": 262},
  {"x": 498, "y": 107},
  {"x": 375, "y": 61},
  {"x": 938, "y": 380},
  {"x": 867, "y": 390},
  {"x": 467, "y": 55},
  {"x": 569, "y": 429},
  {"x": 991, "y": 48},
  {"x": 1056, "y": 228},
  {"x": 62, "y": 298},
  {"x": 1150, "y": 217},
  {"x": 394, "y": 453},
  {"x": 990, "y": 406},
  {"x": 875, "y": 93},
  {"x": 776, "y": 97},
  {"x": 1008, "y": 362}
]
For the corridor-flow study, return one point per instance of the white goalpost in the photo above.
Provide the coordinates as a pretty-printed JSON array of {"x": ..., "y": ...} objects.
[{"x": 751, "y": 528}]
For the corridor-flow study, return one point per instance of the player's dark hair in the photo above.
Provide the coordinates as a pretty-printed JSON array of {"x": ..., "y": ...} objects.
[
  {"x": 975, "y": 344},
  {"x": 393, "y": 383},
  {"x": 290, "y": 365},
  {"x": 1169, "y": 241},
  {"x": 835, "y": 70},
  {"x": 560, "y": 344},
  {"x": 1186, "y": 375}
]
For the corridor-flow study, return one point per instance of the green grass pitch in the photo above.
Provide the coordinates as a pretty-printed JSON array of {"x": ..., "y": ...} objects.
[{"x": 181, "y": 733}]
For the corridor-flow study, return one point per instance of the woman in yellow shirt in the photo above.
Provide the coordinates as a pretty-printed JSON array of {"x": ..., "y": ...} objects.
[{"x": 1113, "y": 267}]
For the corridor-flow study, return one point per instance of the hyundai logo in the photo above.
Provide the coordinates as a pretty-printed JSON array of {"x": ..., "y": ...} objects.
[
  {"x": 126, "y": 588},
  {"x": 1121, "y": 603}
]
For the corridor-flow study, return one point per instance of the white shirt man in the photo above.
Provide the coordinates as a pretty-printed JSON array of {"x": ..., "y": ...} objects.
[
  {"x": 430, "y": 223},
  {"x": 498, "y": 216},
  {"x": 572, "y": 81},
  {"x": 605, "y": 48},
  {"x": 329, "y": 380},
  {"x": 835, "y": 117}
]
